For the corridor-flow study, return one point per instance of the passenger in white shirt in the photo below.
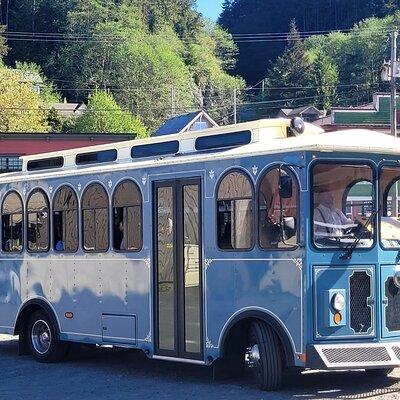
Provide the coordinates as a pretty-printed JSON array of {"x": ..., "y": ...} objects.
[{"x": 329, "y": 221}]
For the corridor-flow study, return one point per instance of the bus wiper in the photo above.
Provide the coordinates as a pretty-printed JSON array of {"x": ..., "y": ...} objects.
[{"x": 361, "y": 228}]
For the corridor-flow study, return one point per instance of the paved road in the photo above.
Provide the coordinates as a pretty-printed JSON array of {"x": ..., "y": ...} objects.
[{"x": 97, "y": 374}]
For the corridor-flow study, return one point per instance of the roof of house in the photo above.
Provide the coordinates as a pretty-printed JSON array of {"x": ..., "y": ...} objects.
[
  {"x": 181, "y": 122},
  {"x": 296, "y": 111},
  {"x": 72, "y": 107}
]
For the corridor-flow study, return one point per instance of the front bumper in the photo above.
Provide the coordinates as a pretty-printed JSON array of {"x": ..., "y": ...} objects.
[{"x": 353, "y": 356}]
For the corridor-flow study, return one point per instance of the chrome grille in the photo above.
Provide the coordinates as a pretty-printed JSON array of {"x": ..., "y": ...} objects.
[
  {"x": 346, "y": 355},
  {"x": 360, "y": 311},
  {"x": 392, "y": 311}
]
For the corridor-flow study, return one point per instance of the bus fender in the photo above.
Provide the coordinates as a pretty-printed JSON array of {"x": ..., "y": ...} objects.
[
  {"x": 28, "y": 308},
  {"x": 241, "y": 319}
]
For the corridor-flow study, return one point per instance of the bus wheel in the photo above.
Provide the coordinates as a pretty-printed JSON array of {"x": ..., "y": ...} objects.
[
  {"x": 379, "y": 372},
  {"x": 43, "y": 341},
  {"x": 263, "y": 356}
]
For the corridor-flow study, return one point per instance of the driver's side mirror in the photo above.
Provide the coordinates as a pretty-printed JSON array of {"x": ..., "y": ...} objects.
[
  {"x": 285, "y": 187},
  {"x": 289, "y": 227}
]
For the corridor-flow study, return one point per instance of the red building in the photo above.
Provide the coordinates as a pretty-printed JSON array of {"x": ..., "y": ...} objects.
[{"x": 14, "y": 145}]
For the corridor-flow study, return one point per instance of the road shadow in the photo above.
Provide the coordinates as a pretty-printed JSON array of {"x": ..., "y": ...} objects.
[{"x": 133, "y": 365}]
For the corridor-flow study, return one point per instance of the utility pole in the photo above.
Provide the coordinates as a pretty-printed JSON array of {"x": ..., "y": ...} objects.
[
  {"x": 172, "y": 101},
  {"x": 393, "y": 76},
  {"x": 235, "y": 106}
]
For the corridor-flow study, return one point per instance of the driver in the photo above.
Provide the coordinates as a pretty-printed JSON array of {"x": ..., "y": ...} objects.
[{"x": 329, "y": 221}]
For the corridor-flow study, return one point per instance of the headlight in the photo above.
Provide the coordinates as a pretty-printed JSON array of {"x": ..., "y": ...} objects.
[{"x": 338, "y": 302}]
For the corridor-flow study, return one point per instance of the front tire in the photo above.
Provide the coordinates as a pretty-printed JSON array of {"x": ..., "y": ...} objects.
[
  {"x": 263, "y": 356},
  {"x": 43, "y": 340}
]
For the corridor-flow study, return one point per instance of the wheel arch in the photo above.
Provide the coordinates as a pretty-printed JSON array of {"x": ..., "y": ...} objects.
[
  {"x": 242, "y": 321},
  {"x": 31, "y": 306}
]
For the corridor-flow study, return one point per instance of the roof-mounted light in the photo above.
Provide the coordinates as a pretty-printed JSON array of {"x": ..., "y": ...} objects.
[{"x": 297, "y": 126}]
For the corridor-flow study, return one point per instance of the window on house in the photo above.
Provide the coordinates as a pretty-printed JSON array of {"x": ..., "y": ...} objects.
[
  {"x": 38, "y": 222},
  {"x": 235, "y": 212},
  {"x": 65, "y": 220},
  {"x": 95, "y": 218},
  {"x": 12, "y": 223},
  {"x": 10, "y": 164},
  {"x": 270, "y": 204},
  {"x": 127, "y": 217}
]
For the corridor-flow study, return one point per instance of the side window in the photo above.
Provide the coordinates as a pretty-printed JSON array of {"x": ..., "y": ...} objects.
[
  {"x": 127, "y": 217},
  {"x": 12, "y": 223},
  {"x": 95, "y": 218},
  {"x": 235, "y": 212},
  {"x": 38, "y": 222},
  {"x": 65, "y": 220},
  {"x": 358, "y": 200},
  {"x": 270, "y": 204}
]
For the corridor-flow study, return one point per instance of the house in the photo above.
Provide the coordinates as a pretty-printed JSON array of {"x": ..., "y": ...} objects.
[
  {"x": 372, "y": 116},
  {"x": 194, "y": 121},
  {"x": 307, "y": 113},
  {"x": 68, "y": 110}
]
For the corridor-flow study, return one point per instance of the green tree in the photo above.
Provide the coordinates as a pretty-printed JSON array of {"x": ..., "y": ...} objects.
[
  {"x": 32, "y": 73},
  {"x": 20, "y": 106},
  {"x": 325, "y": 79},
  {"x": 104, "y": 115},
  {"x": 291, "y": 70}
]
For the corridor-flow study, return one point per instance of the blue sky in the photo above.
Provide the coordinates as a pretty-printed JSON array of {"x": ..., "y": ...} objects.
[{"x": 210, "y": 8}]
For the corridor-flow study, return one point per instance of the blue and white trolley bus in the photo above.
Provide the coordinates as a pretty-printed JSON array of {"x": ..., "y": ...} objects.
[{"x": 267, "y": 244}]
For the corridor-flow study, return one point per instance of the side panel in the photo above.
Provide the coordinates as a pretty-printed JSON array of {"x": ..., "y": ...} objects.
[
  {"x": 11, "y": 291},
  {"x": 273, "y": 286}
]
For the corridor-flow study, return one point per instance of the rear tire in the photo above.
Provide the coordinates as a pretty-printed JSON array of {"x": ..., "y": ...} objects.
[
  {"x": 263, "y": 356},
  {"x": 43, "y": 340},
  {"x": 379, "y": 372}
]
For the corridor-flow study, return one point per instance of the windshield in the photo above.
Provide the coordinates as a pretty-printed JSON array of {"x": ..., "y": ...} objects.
[
  {"x": 342, "y": 205},
  {"x": 389, "y": 198}
]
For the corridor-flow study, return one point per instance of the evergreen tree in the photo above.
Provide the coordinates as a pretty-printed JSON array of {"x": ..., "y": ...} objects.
[{"x": 292, "y": 70}]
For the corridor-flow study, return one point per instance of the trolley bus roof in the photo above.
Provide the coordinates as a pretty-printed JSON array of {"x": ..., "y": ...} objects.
[{"x": 267, "y": 136}]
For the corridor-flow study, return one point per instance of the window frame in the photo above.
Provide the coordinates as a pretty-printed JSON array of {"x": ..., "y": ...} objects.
[
  {"x": 253, "y": 220},
  {"x": 260, "y": 180},
  {"x": 22, "y": 222},
  {"x": 82, "y": 209},
  {"x": 339, "y": 161},
  {"x": 77, "y": 217},
  {"x": 112, "y": 216},
  {"x": 385, "y": 193},
  {"x": 27, "y": 212}
]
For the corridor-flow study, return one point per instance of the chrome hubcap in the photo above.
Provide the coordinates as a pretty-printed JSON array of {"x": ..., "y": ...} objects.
[
  {"x": 41, "y": 336},
  {"x": 252, "y": 356}
]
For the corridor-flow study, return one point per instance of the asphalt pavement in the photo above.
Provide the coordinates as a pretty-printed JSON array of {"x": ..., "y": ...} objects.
[{"x": 113, "y": 374}]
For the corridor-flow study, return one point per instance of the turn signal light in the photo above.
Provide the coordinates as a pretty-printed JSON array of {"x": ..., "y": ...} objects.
[
  {"x": 337, "y": 318},
  {"x": 69, "y": 315}
]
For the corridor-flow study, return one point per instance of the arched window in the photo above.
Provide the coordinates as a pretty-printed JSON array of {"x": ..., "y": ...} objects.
[
  {"x": 127, "y": 217},
  {"x": 358, "y": 202},
  {"x": 65, "y": 220},
  {"x": 12, "y": 223},
  {"x": 270, "y": 204},
  {"x": 38, "y": 222},
  {"x": 235, "y": 212},
  {"x": 95, "y": 218}
]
